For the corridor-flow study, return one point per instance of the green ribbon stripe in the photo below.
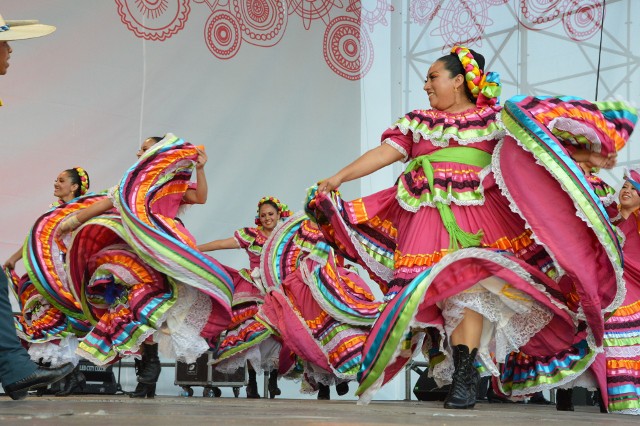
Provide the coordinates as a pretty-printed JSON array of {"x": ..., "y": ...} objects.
[{"x": 557, "y": 170}]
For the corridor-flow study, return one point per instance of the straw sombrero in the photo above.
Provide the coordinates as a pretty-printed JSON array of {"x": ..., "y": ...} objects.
[{"x": 21, "y": 30}]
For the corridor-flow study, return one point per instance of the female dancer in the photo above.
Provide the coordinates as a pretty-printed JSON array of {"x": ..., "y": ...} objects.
[
  {"x": 69, "y": 184},
  {"x": 50, "y": 333},
  {"x": 196, "y": 194},
  {"x": 244, "y": 331},
  {"x": 196, "y": 305},
  {"x": 322, "y": 309},
  {"x": 576, "y": 125},
  {"x": 619, "y": 365},
  {"x": 622, "y": 329},
  {"x": 465, "y": 274}
]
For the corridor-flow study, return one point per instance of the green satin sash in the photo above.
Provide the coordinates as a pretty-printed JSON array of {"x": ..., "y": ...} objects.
[{"x": 463, "y": 155}]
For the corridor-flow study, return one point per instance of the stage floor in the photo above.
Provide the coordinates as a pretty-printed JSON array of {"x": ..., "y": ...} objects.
[{"x": 179, "y": 411}]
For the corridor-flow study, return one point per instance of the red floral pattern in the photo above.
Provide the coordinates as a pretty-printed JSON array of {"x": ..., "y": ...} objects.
[{"x": 347, "y": 46}]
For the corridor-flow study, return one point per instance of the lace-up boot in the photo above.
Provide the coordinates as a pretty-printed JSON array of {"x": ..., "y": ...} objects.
[{"x": 462, "y": 393}]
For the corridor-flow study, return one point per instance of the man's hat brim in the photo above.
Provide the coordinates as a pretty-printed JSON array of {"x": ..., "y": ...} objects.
[{"x": 22, "y": 30}]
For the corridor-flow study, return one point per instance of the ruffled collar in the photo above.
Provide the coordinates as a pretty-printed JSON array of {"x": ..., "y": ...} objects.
[{"x": 470, "y": 126}]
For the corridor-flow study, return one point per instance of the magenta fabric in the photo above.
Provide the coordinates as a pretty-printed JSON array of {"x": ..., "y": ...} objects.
[{"x": 563, "y": 233}]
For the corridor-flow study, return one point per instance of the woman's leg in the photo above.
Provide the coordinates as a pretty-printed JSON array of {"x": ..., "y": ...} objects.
[{"x": 469, "y": 330}]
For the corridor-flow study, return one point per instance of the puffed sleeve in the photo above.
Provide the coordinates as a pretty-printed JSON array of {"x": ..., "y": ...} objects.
[
  {"x": 400, "y": 135},
  {"x": 245, "y": 237}
]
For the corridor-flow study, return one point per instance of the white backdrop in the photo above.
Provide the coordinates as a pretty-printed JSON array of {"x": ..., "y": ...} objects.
[
  {"x": 280, "y": 96},
  {"x": 272, "y": 118}
]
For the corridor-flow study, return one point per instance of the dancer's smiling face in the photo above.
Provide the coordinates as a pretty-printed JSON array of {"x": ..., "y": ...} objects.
[
  {"x": 441, "y": 87},
  {"x": 629, "y": 197},
  {"x": 63, "y": 187},
  {"x": 268, "y": 216}
]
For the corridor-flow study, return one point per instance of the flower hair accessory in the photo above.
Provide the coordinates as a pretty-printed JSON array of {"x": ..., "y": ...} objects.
[
  {"x": 84, "y": 180},
  {"x": 484, "y": 87},
  {"x": 633, "y": 177},
  {"x": 283, "y": 209}
]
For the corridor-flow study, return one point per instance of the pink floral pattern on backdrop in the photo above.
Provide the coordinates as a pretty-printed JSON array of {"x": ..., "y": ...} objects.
[
  {"x": 222, "y": 34},
  {"x": 262, "y": 22},
  {"x": 371, "y": 16},
  {"x": 583, "y": 19},
  {"x": 540, "y": 14},
  {"x": 462, "y": 21},
  {"x": 424, "y": 11},
  {"x": 347, "y": 47},
  {"x": 154, "y": 19},
  {"x": 311, "y": 10}
]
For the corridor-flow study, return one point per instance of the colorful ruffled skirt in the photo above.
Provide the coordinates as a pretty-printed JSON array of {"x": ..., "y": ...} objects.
[
  {"x": 322, "y": 310},
  {"x": 622, "y": 333}
]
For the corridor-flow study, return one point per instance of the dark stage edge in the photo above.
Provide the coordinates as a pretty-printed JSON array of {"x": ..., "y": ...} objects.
[{"x": 179, "y": 411}]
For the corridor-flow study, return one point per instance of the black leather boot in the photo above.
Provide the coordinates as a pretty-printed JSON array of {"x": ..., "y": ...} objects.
[
  {"x": 41, "y": 378},
  {"x": 147, "y": 371},
  {"x": 252, "y": 386},
  {"x": 564, "y": 399},
  {"x": 538, "y": 398},
  {"x": 493, "y": 398},
  {"x": 342, "y": 388},
  {"x": 462, "y": 393},
  {"x": 324, "y": 392},
  {"x": 150, "y": 370},
  {"x": 144, "y": 390},
  {"x": 137, "y": 365},
  {"x": 273, "y": 384},
  {"x": 74, "y": 382}
]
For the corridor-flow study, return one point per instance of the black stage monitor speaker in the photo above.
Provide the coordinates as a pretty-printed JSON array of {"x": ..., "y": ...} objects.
[
  {"x": 426, "y": 389},
  {"x": 100, "y": 380}
]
